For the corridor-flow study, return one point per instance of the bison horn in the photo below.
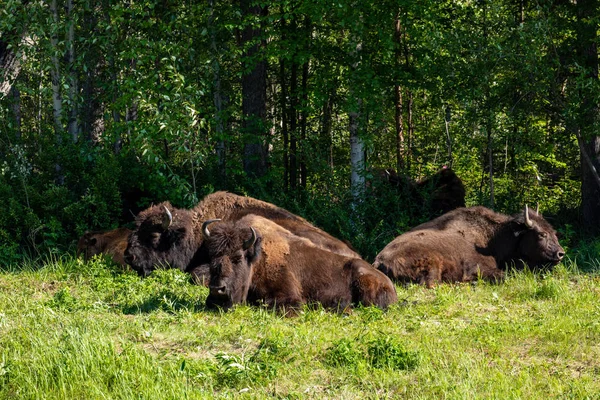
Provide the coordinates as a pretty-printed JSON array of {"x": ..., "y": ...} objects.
[
  {"x": 250, "y": 242},
  {"x": 167, "y": 218},
  {"x": 537, "y": 209},
  {"x": 205, "y": 230},
  {"x": 528, "y": 220}
]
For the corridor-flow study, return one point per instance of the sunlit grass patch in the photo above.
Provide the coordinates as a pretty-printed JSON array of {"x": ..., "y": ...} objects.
[{"x": 65, "y": 322}]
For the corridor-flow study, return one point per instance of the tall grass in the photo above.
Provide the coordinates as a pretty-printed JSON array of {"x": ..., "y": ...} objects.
[{"x": 70, "y": 330}]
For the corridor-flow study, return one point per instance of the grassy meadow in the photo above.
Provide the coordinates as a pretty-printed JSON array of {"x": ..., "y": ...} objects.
[{"x": 71, "y": 330}]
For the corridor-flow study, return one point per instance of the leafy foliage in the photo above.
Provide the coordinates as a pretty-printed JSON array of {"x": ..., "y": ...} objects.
[{"x": 154, "y": 93}]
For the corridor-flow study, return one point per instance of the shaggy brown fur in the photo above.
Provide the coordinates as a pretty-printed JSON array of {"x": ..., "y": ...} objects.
[
  {"x": 179, "y": 245},
  {"x": 112, "y": 243},
  {"x": 468, "y": 243},
  {"x": 284, "y": 270}
]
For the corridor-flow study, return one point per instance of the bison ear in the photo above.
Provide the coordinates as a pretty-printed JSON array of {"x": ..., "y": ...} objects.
[
  {"x": 179, "y": 232},
  {"x": 255, "y": 251}
]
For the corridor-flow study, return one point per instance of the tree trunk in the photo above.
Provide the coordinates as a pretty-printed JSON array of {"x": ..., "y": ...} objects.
[
  {"x": 399, "y": 123},
  {"x": 587, "y": 54},
  {"x": 217, "y": 96},
  {"x": 72, "y": 126},
  {"x": 303, "y": 124},
  {"x": 284, "y": 124},
  {"x": 357, "y": 147},
  {"x": 254, "y": 93},
  {"x": 490, "y": 154},
  {"x": 10, "y": 66},
  {"x": 56, "y": 95},
  {"x": 11, "y": 56},
  {"x": 357, "y": 155},
  {"x": 447, "y": 117},
  {"x": 326, "y": 125},
  {"x": 293, "y": 125}
]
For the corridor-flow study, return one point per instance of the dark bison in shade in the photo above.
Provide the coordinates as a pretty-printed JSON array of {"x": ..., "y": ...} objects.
[
  {"x": 255, "y": 260},
  {"x": 439, "y": 193},
  {"x": 172, "y": 238},
  {"x": 112, "y": 243},
  {"x": 468, "y": 243}
]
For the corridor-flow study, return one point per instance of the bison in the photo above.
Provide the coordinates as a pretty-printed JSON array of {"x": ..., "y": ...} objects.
[
  {"x": 172, "y": 238},
  {"x": 112, "y": 243},
  {"x": 468, "y": 243},
  {"x": 256, "y": 260},
  {"x": 439, "y": 193}
]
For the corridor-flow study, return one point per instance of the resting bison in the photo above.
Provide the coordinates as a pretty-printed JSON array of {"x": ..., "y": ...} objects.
[
  {"x": 467, "y": 243},
  {"x": 112, "y": 243},
  {"x": 256, "y": 260},
  {"x": 172, "y": 238},
  {"x": 440, "y": 192}
]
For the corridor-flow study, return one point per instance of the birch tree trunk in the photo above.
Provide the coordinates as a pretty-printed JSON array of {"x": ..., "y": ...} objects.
[{"x": 357, "y": 146}]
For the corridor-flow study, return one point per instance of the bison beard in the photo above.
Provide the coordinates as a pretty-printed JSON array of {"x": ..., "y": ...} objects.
[
  {"x": 468, "y": 243},
  {"x": 255, "y": 260},
  {"x": 112, "y": 243},
  {"x": 171, "y": 238}
]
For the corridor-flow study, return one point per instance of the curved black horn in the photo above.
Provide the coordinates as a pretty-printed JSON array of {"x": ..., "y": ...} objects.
[
  {"x": 167, "y": 218},
  {"x": 205, "y": 230},
  {"x": 250, "y": 242},
  {"x": 528, "y": 220}
]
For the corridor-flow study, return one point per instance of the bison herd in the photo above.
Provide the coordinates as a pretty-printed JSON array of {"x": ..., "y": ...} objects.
[{"x": 250, "y": 251}]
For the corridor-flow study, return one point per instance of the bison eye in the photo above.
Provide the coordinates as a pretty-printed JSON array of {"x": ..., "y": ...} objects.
[{"x": 543, "y": 234}]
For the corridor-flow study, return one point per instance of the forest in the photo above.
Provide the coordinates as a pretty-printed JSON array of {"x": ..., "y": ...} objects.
[{"x": 108, "y": 107}]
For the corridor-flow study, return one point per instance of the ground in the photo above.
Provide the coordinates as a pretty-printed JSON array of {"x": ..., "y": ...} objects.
[{"x": 90, "y": 331}]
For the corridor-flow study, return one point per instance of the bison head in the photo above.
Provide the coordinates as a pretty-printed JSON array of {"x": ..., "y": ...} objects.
[
  {"x": 232, "y": 252},
  {"x": 538, "y": 244},
  {"x": 164, "y": 237},
  {"x": 90, "y": 244}
]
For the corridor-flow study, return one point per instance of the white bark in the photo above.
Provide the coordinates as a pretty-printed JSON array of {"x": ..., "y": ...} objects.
[
  {"x": 357, "y": 157},
  {"x": 357, "y": 146}
]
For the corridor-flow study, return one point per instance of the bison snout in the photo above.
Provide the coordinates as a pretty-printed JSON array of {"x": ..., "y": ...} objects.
[
  {"x": 217, "y": 290},
  {"x": 560, "y": 254}
]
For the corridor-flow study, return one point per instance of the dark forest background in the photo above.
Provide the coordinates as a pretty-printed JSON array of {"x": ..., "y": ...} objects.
[{"x": 108, "y": 106}]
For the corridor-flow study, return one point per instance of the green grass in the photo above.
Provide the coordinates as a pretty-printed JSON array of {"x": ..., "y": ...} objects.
[{"x": 70, "y": 330}]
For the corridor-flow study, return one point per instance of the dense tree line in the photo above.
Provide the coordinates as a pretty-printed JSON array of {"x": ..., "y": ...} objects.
[{"x": 106, "y": 107}]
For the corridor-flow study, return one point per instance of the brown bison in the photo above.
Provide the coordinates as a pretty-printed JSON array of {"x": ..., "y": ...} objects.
[
  {"x": 468, "y": 243},
  {"x": 172, "y": 238},
  {"x": 112, "y": 243},
  {"x": 256, "y": 260},
  {"x": 439, "y": 193}
]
